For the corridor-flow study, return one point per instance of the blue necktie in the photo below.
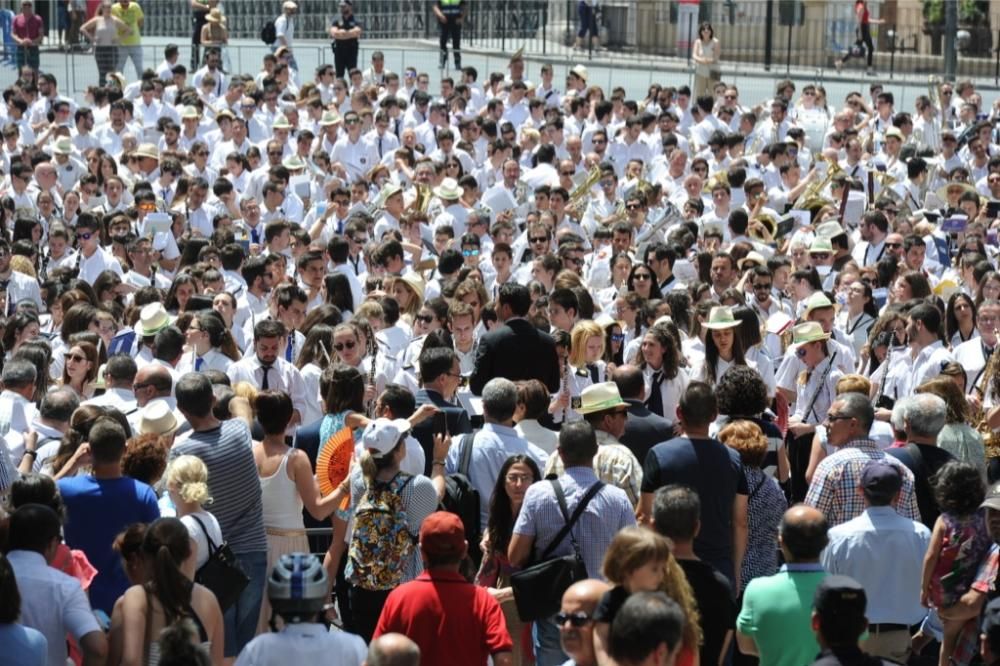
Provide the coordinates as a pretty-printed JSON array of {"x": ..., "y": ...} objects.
[
  {"x": 254, "y": 235},
  {"x": 289, "y": 348},
  {"x": 198, "y": 362}
]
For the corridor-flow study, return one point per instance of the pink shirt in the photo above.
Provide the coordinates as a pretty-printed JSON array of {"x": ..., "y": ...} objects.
[{"x": 27, "y": 27}]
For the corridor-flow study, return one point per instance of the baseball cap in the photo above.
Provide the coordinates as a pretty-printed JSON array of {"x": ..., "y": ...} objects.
[
  {"x": 881, "y": 479},
  {"x": 992, "y": 500},
  {"x": 841, "y": 598},
  {"x": 443, "y": 534},
  {"x": 382, "y": 435}
]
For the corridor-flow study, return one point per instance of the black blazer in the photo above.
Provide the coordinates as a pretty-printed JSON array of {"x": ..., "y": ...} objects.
[
  {"x": 423, "y": 432},
  {"x": 516, "y": 350},
  {"x": 644, "y": 429}
]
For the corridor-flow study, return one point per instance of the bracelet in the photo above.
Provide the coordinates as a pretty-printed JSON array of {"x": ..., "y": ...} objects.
[
  {"x": 33, "y": 454},
  {"x": 438, "y": 462}
]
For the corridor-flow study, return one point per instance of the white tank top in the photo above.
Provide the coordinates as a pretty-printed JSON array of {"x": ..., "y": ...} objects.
[{"x": 282, "y": 504}]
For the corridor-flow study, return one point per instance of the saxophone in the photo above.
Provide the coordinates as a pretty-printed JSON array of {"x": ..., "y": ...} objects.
[{"x": 991, "y": 439}]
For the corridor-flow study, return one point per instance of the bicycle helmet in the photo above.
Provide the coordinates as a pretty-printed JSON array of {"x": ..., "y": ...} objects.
[{"x": 297, "y": 587}]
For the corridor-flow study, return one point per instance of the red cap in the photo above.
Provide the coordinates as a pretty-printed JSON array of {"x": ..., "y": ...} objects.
[{"x": 443, "y": 534}]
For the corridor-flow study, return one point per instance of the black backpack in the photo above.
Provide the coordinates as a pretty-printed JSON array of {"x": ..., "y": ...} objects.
[
  {"x": 268, "y": 33},
  {"x": 462, "y": 499}
]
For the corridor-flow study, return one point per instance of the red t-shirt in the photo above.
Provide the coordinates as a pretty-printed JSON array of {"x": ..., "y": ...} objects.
[
  {"x": 27, "y": 28},
  {"x": 453, "y": 621}
]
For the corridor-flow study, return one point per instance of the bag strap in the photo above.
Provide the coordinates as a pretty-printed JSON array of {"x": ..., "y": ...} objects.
[
  {"x": 570, "y": 520},
  {"x": 465, "y": 458},
  {"x": 212, "y": 547}
]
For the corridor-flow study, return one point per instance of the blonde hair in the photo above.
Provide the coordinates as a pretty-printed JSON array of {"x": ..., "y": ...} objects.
[
  {"x": 854, "y": 384},
  {"x": 747, "y": 439},
  {"x": 630, "y": 549},
  {"x": 582, "y": 332},
  {"x": 22, "y": 265},
  {"x": 190, "y": 476},
  {"x": 246, "y": 390}
]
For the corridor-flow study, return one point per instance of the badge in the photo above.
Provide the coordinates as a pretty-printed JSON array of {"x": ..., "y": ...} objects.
[{"x": 575, "y": 402}]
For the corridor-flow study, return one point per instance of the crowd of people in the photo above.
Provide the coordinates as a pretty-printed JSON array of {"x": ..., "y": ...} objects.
[{"x": 726, "y": 366}]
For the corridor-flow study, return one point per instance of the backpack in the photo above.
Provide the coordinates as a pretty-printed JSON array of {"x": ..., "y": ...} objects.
[
  {"x": 461, "y": 497},
  {"x": 382, "y": 544},
  {"x": 268, "y": 33}
]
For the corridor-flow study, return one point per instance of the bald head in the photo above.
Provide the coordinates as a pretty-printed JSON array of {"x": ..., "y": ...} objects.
[
  {"x": 152, "y": 381},
  {"x": 802, "y": 534},
  {"x": 628, "y": 378},
  {"x": 580, "y": 600},
  {"x": 393, "y": 650}
]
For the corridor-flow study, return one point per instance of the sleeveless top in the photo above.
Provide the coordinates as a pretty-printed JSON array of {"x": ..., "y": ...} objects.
[
  {"x": 153, "y": 649},
  {"x": 282, "y": 503},
  {"x": 105, "y": 32}
]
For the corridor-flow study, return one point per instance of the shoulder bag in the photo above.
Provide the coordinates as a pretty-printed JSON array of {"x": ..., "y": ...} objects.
[
  {"x": 538, "y": 589},
  {"x": 221, "y": 573}
]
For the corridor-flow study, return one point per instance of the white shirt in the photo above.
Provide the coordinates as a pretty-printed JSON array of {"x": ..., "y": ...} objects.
[
  {"x": 283, "y": 376},
  {"x": 102, "y": 260},
  {"x": 304, "y": 643},
  {"x": 51, "y": 602}
]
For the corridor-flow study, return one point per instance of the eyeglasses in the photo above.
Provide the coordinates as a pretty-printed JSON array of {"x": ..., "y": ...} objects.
[
  {"x": 353, "y": 121},
  {"x": 576, "y": 261},
  {"x": 831, "y": 418},
  {"x": 822, "y": 256},
  {"x": 359, "y": 241},
  {"x": 539, "y": 239},
  {"x": 893, "y": 245},
  {"x": 85, "y": 235},
  {"x": 75, "y": 357},
  {"x": 340, "y": 346},
  {"x": 762, "y": 287},
  {"x": 567, "y": 173},
  {"x": 633, "y": 206},
  {"x": 617, "y": 337},
  {"x": 470, "y": 253},
  {"x": 274, "y": 153},
  {"x": 139, "y": 387},
  {"x": 519, "y": 478},
  {"x": 424, "y": 319},
  {"x": 577, "y": 619},
  {"x": 642, "y": 276}
]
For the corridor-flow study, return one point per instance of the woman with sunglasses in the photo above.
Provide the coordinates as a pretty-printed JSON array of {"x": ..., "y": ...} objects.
[
  {"x": 642, "y": 280},
  {"x": 816, "y": 385},
  {"x": 80, "y": 370},
  {"x": 614, "y": 342}
]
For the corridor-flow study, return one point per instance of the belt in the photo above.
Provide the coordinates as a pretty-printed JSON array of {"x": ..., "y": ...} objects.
[
  {"x": 277, "y": 531},
  {"x": 884, "y": 627}
]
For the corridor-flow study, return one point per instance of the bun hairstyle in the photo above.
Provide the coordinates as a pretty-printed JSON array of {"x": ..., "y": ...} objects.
[{"x": 190, "y": 476}]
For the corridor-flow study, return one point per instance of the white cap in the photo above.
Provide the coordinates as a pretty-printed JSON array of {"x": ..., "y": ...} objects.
[{"x": 382, "y": 435}]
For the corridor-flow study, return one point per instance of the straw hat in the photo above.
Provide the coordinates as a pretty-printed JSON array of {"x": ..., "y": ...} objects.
[
  {"x": 225, "y": 113},
  {"x": 281, "y": 122},
  {"x": 416, "y": 283},
  {"x": 215, "y": 16},
  {"x": 190, "y": 112},
  {"x": 830, "y": 230},
  {"x": 580, "y": 71},
  {"x": 755, "y": 257},
  {"x": 329, "y": 118},
  {"x": 293, "y": 163},
  {"x": 599, "y": 397},
  {"x": 63, "y": 147},
  {"x": 895, "y": 133},
  {"x": 818, "y": 301},
  {"x": 152, "y": 319},
  {"x": 157, "y": 418},
  {"x": 289, "y": 6},
  {"x": 448, "y": 189},
  {"x": 147, "y": 150},
  {"x": 721, "y": 317},
  {"x": 821, "y": 245},
  {"x": 810, "y": 331},
  {"x": 962, "y": 188},
  {"x": 388, "y": 190}
]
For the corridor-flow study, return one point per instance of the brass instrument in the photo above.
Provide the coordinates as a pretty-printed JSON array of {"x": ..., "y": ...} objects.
[
  {"x": 423, "y": 199},
  {"x": 813, "y": 197},
  {"x": 991, "y": 439},
  {"x": 720, "y": 178},
  {"x": 581, "y": 193},
  {"x": 762, "y": 228}
]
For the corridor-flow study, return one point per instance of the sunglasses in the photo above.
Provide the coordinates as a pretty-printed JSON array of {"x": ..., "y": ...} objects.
[
  {"x": 424, "y": 319},
  {"x": 75, "y": 357},
  {"x": 577, "y": 619},
  {"x": 893, "y": 245},
  {"x": 762, "y": 287},
  {"x": 85, "y": 235},
  {"x": 470, "y": 253},
  {"x": 618, "y": 337},
  {"x": 642, "y": 276},
  {"x": 567, "y": 173},
  {"x": 539, "y": 239},
  {"x": 340, "y": 346},
  {"x": 632, "y": 206}
]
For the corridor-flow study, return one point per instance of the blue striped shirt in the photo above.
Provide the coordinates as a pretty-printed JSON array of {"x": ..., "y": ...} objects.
[{"x": 607, "y": 513}]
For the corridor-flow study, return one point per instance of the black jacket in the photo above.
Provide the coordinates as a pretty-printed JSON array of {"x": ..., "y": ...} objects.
[
  {"x": 423, "y": 432},
  {"x": 516, "y": 350},
  {"x": 644, "y": 429}
]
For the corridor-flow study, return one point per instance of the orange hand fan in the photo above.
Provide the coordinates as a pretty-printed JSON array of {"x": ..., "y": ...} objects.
[{"x": 334, "y": 462}]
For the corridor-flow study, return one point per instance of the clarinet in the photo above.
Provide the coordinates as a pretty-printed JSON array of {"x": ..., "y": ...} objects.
[
  {"x": 373, "y": 351},
  {"x": 564, "y": 387}
]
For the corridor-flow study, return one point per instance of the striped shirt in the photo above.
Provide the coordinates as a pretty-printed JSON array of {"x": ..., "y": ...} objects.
[
  {"x": 232, "y": 482},
  {"x": 607, "y": 513}
]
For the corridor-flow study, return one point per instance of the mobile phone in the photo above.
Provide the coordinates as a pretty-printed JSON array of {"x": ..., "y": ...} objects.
[
  {"x": 441, "y": 424},
  {"x": 993, "y": 209}
]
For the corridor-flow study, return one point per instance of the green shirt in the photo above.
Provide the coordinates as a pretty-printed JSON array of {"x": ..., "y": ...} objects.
[
  {"x": 777, "y": 613},
  {"x": 131, "y": 16}
]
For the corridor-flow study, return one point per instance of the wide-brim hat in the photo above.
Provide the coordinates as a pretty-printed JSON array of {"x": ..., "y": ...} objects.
[
  {"x": 288, "y": 4},
  {"x": 388, "y": 190},
  {"x": 329, "y": 118},
  {"x": 895, "y": 133},
  {"x": 580, "y": 71},
  {"x": 448, "y": 189},
  {"x": 810, "y": 331},
  {"x": 147, "y": 150},
  {"x": 215, "y": 16},
  {"x": 225, "y": 113},
  {"x": 755, "y": 257},
  {"x": 599, "y": 397},
  {"x": 190, "y": 112},
  {"x": 962, "y": 188},
  {"x": 821, "y": 245},
  {"x": 518, "y": 55},
  {"x": 817, "y": 301},
  {"x": 416, "y": 283},
  {"x": 157, "y": 418},
  {"x": 293, "y": 163},
  {"x": 721, "y": 317},
  {"x": 63, "y": 147},
  {"x": 152, "y": 319},
  {"x": 830, "y": 230},
  {"x": 281, "y": 122}
]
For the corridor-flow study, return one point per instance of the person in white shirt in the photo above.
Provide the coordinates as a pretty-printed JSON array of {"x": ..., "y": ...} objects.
[
  {"x": 267, "y": 369},
  {"x": 355, "y": 153}
]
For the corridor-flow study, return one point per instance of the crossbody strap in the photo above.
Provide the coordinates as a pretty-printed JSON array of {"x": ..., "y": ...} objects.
[
  {"x": 465, "y": 457},
  {"x": 570, "y": 520},
  {"x": 212, "y": 546}
]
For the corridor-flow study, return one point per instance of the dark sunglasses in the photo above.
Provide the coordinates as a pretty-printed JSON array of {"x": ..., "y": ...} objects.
[
  {"x": 539, "y": 239},
  {"x": 341, "y": 345},
  {"x": 424, "y": 319},
  {"x": 617, "y": 337},
  {"x": 577, "y": 619},
  {"x": 85, "y": 235}
]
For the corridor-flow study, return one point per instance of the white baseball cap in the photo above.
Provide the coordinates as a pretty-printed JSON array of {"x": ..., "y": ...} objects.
[{"x": 382, "y": 435}]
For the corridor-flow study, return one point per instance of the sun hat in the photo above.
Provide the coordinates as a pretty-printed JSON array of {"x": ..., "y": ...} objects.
[
  {"x": 817, "y": 301},
  {"x": 281, "y": 122},
  {"x": 810, "y": 331},
  {"x": 147, "y": 150},
  {"x": 755, "y": 257},
  {"x": 63, "y": 147},
  {"x": 580, "y": 71},
  {"x": 157, "y": 418},
  {"x": 448, "y": 189},
  {"x": 416, "y": 283},
  {"x": 329, "y": 118},
  {"x": 215, "y": 16},
  {"x": 599, "y": 397},
  {"x": 152, "y": 319},
  {"x": 821, "y": 245},
  {"x": 721, "y": 317}
]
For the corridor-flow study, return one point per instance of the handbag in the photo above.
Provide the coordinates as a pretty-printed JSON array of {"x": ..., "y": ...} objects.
[
  {"x": 538, "y": 589},
  {"x": 221, "y": 573}
]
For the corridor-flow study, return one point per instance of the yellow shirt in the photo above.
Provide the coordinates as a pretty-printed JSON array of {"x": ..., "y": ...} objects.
[{"x": 131, "y": 16}]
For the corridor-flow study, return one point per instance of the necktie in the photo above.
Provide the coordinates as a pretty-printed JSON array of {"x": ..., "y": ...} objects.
[
  {"x": 198, "y": 362},
  {"x": 290, "y": 349},
  {"x": 592, "y": 367},
  {"x": 265, "y": 384},
  {"x": 255, "y": 235},
  {"x": 380, "y": 147},
  {"x": 655, "y": 400}
]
